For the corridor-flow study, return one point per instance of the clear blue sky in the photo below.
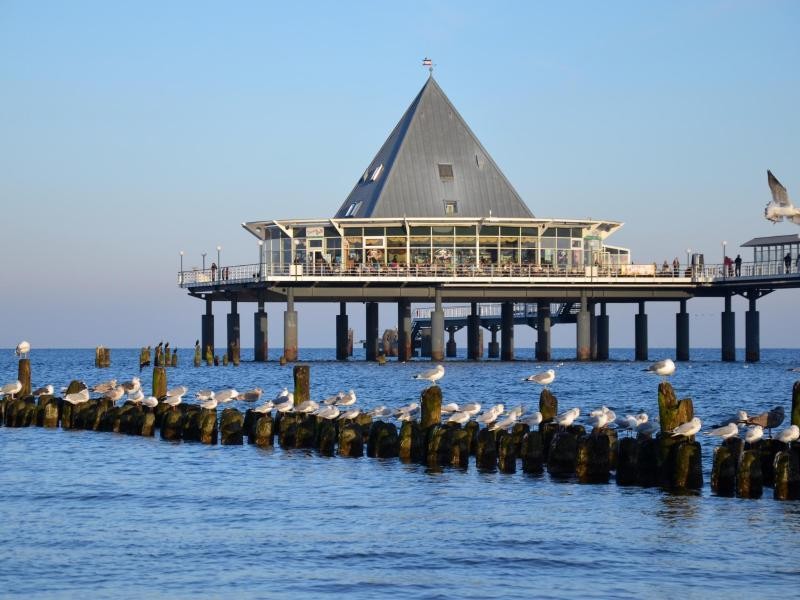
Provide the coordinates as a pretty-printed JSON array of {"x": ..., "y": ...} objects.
[{"x": 131, "y": 131}]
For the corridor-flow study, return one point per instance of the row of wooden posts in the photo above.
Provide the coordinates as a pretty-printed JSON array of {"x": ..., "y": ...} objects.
[{"x": 674, "y": 463}]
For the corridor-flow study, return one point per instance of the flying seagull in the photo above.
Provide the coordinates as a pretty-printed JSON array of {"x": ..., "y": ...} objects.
[{"x": 780, "y": 206}]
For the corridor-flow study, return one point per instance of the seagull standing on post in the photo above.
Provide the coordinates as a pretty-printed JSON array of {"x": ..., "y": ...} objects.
[{"x": 432, "y": 375}]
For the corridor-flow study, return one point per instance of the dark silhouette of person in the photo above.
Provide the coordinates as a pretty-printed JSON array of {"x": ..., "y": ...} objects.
[
  {"x": 738, "y": 265},
  {"x": 213, "y": 271},
  {"x": 787, "y": 262}
]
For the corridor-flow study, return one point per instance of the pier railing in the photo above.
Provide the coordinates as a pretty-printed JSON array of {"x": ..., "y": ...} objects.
[{"x": 254, "y": 273}]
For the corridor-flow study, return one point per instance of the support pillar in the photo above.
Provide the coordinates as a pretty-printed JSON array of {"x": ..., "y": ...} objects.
[
  {"x": 450, "y": 348},
  {"x": 602, "y": 333},
  {"x": 682, "y": 333},
  {"x": 260, "y": 340},
  {"x": 640, "y": 326},
  {"x": 507, "y": 331},
  {"x": 728, "y": 332},
  {"x": 437, "y": 329},
  {"x": 342, "y": 335},
  {"x": 290, "y": 329},
  {"x": 494, "y": 346},
  {"x": 584, "y": 342},
  {"x": 752, "y": 345},
  {"x": 592, "y": 332},
  {"x": 372, "y": 331},
  {"x": 207, "y": 328},
  {"x": 404, "y": 342},
  {"x": 543, "y": 331},
  {"x": 474, "y": 349}
]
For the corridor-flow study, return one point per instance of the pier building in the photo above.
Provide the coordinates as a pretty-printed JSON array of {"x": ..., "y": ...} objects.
[{"x": 432, "y": 219}]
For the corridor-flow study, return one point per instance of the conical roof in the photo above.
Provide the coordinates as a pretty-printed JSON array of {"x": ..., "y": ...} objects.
[{"x": 432, "y": 165}]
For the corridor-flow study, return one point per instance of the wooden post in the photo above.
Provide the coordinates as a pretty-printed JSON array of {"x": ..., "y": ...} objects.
[
  {"x": 172, "y": 425},
  {"x": 671, "y": 412},
  {"x": 548, "y": 405},
  {"x": 459, "y": 448},
  {"x": 209, "y": 356},
  {"x": 796, "y": 403},
  {"x": 175, "y": 358},
  {"x": 411, "y": 442},
  {"x": 592, "y": 460},
  {"x": 302, "y": 383},
  {"x": 532, "y": 453},
  {"x": 563, "y": 455},
  {"x": 230, "y": 427},
  {"x": 687, "y": 471},
  {"x": 486, "y": 450},
  {"x": 748, "y": 481},
  {"x": 159, "y": 382},
  {"x": 787, "y": 476},
  {"x": 438, "y": 446},
  {"x": 24, "y": 376},
  {"x": 198, "y": 358},
  {"x": 431, "y": 406},
  {"x": 351, "y": 441},
  {"x": 506, "y": 453}
]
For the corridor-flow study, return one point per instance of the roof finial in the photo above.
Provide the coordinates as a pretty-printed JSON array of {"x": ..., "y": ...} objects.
[{"x": 427, "y": 62}]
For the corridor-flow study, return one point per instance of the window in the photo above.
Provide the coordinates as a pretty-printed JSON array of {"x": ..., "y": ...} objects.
[
  {"x": 450, "y": 207},
  {"x": 445, "y": 172},
  {"x": 352, "y": 209},
  {"x": 376, "y": 173}
]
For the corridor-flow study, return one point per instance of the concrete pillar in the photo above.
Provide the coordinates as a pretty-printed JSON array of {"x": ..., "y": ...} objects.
[
  {"x": 543, "y": 331},
  {"x": 583, "y": 334},
  {"x": 437, "y": 329},
  {"x": 602, "y": 333},
  {"x": 342, "y": 333},
  {"x": 592, "y": 332},
  {"x": 372, "y": 331},
  {"x": 507, "y": 331},
  {"x": 640, "y": 326},
  {"x": 405, "y": 345},
  {"x": 682, "y": 333},
  {"x": 494, "y": 346},
  {"x": 290, "y": 329},
  {"x": 474, "y": 350},
  {"x": 425, "y": 342},
  {"x": 260, "y": 339},
  {"x": 728, "y": 332},
  {"x": 752, "y": 349},
  {"x": 207, "y": 328},
  {"x": 233, "y": 329},
  {"x": 450, "y": 347}
]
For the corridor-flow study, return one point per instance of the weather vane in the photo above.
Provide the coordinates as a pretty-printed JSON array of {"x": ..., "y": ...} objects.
[{"x": 427, "y": 62}]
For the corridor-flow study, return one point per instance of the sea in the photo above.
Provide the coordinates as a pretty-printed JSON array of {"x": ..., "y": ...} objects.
[{"x": 103, "y": 515}]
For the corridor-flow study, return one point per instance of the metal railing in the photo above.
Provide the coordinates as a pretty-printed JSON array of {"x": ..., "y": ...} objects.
[{"x": 255, "y": 273}]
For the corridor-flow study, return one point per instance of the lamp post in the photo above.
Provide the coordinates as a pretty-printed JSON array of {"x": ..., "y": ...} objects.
[
  {"x": 181, "y": 266},
  {"x": 260, "y": 258},
  {"x": 219, "y": 262},
  {"x": 724, "y": 261},
  {"x": 204, "y": 261}
]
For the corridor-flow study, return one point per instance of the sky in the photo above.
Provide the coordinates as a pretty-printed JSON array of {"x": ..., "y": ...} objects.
[{"x": 132, "y": 131}]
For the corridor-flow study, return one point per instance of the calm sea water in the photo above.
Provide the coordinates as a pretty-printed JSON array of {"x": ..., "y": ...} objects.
[{"x": 116, "y": 516}]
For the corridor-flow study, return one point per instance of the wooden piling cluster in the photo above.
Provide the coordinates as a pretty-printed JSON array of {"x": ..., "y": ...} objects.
[{"x": 102, "y": 357}]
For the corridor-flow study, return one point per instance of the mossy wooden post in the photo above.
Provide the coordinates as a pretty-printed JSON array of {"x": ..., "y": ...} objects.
[
  {"x": 563, "y": 455},
  {"x": 438, "y": 446},
  {"x": 486, "y": 450},
  {"x": 460, "y": 442},
  {"x": 159, "y": 382},
  {"x": 519, "y": 431},
  {"x": 209, "y": 429},
  {"x": 230, "y": 428},
  {"x": 209, "y": 356},
  {"x": 627, "y": 461},
  {"x": 260, "y": 432},
  {"x": 672, "y": 412},
  {"x": 796, "y": 403},
  {"x": 787, "y": 476},
  {"x": 548, "y": 405},
  {"x": 532, "y": 453},
  {"x": 383, "y": 441},
  {"x": 748, "y": 479},
  {"x": 548, "y": 431},
  {"x": 431, "y": 407},
  {"x": 592, "y": 460},
  {"x": 167, "y": 358},
  {"x": 98, "y": 357},
  {"x": 327, "y": 434},
  {"x": 224, "y": 360},
  {"x": 647, "y": 471},
  {"x": 24, "y": 376},
  {"x": 472, "y": 428},
  {"x": 306, "y": 433},
  {"x": 191, "y": 423},
  {"x": 506, "y": 452},
  {"x": 172, "y": 425},
  {"x": 687, "y": 473},
  {"x": 351, "y": 441},
  {"x": 411, "y": 442},
  {"x": 302, "y": 383},
  {"x": 723, "y": 471},
  {"x": 767, "y": 449},
  {"x": 175, "y": 358},
  {"x": 48, "y": 411},
  {"x": 198, "y": 355}
]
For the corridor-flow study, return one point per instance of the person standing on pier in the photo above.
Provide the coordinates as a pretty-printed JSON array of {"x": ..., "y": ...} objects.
[
  {"x": 213, "y": 271},
  {"x": 676, "y": 266},
  {"x": 738, "y": 265},
  {"x": 787, "y": 262}
]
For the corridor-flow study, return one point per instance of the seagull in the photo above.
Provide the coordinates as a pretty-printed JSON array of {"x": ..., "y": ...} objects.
[
  {"x": 253, "y": 395},
  {"x": 626, "y": 423},
  {"x": 780, "y": 206},
  {"x": 789, "y": 435},
  {"x": 210, "y": 404},
  {"x": 173, "y": 401},
  {"x": 768, "y": 420},
  {"x": 490, "y": 416},
  {"x": 23, "y": 349},
  {"x": 459, "y": 417},
  {"x": 516, "y": 412},
  {"x": 566, "y": 418},
  {"x": 46, "y": 390},
  {"x": 282, "y": 395},
  {"x": 533, "y": 420},
  {"x": 307, "y": 406},
  {"x": 177, "y": 392},
  {"x": 544, "y": 379},
  {"x": 347, "y": 399},
  {"x": 664, "y": 368},
  {"x": 204, "y": 395},
  {"x": 105, "y": 386},
  {"x": 504, "y": 424},
  {"x": 432, "y": 375},
  {"x": 77, "y": 397},
  {"x": 647, "y": 428},
  {"x": 753, "y": 434},
  {"x": 115, "y": 394},
  {"x": 405, "y": 417},
  {"x": 407, "y": 409},
  {"x": 452, "y": 407},
  {"x": 328, "y": 412},
  {"x": 726, "y": 431},
  {"x": 150, "y": 402},
  {"x": 350, "y": 414},
  {"x": 331, "y": 400},
  {"x": 287, "y": 405},
  {"x": 687, "y": 429},
  {"x": 471, "y": 408},
  {"x": 139, "y": 396},
  {"x": 598, "y": 421},
  {"x": 380, "y": 411},
  {"x": 227, "y": 395},
  {"x": 264, "y": 408},
  {"x": 11, "y": 389},
  {"x": 134, "y": 385},
  {"x": 739, "y": 417}
]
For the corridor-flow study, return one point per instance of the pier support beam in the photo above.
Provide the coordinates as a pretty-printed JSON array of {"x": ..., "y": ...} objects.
[
  {"x": 543, "y": 348},
  {"x": 601, "y": 327},
  {"x": 207, "y": 328},
  {"x": 474, "y": 349},
  {"x": 450, "y": 348},
  {"x": 584, "y": 342},
  {"x": 342, "y": 336},
  {"x": 233, "y": 329},
  {"x": 404, "y": 342},
  {"x": 728, "y": 332},
  {"x": 640, "y": 327},
  {"x": 437, "y": 329},
  {"x": 260, "y": 339},
  {"x": 592, "y": 332},
  {"x": 290, "y": 329},
  {"x": 494, "y": 346},
  {"x": 752, "y": 344},
  {"x": 507, "y": 331},
  {"x": 682, "y": 333},
  {"x": 372, "y": 331}
]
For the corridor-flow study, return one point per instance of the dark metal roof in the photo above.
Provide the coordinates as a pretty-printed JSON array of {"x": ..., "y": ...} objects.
[
  {"x": 773, "y": 240},
  {"x": 410, "y": 182}
]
